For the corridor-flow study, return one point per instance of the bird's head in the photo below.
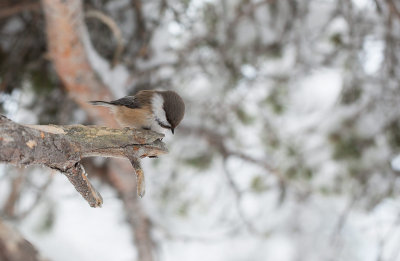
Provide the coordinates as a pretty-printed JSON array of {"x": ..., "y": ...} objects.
[{"x": 173, "y": 109}]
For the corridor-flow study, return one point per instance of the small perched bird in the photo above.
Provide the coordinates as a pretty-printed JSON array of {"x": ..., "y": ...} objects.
[{"x": 150, "y": 110}]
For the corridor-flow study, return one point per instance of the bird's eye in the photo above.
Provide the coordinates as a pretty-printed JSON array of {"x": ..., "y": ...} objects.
[{"x": 165, "y": 126}]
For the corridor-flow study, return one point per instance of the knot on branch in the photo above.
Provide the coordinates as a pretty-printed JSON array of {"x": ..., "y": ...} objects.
[{"x": 62, "y": 148}]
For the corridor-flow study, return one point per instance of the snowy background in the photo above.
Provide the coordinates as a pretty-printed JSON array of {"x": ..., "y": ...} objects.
[{"x": 290, "y": 145}]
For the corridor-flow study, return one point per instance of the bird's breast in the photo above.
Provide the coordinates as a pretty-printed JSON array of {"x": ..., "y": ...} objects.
[{"x": 134, "y": 118}]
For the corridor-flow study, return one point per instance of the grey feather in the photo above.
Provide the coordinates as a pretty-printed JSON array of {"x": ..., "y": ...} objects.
[
  {"x": 127, "y": 101},
  {"x": 101, "y": 103}
]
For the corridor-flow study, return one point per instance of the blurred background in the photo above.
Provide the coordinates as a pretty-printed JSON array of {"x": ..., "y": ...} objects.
[{"x": 289, "y": 149}]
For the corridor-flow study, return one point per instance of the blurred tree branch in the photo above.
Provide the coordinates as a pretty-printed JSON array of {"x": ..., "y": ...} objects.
[
  {"x": 15, "y": 193},
  {"x": 66, "y": 34},
  {"x": 13, "y": 247},
  {"x": 8, "y": 11},
  {"x": 393, "y": 9},
  {"x": 110, "y": 23},
  {"x": 62, "y": 148}
]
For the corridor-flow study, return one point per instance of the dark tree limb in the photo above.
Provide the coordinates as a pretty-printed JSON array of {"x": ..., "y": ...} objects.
[
  {"x": 62, "y": 147},
  {"x": 7, "y": 11}
]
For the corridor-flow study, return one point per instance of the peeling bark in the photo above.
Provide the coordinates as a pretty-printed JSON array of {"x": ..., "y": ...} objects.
[{"x": 62, "y": 147}]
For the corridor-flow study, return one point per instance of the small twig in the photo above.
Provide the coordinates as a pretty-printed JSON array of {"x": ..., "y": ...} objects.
[
  {"x": 112, "y": 25},
  {"x": 342, "y": 219},
  {"x": 78, "y": 177},
  {"x": 238, "y": 197},
  {"x": 140, "y": 183}
]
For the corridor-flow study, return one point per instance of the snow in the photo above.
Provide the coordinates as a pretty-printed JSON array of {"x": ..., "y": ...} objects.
[
  {"x": 364, "y": 4},
  {"x": 248, "y": 71},
  {"x": 373, "y": 55},
  {"x": 395, "y": 163},
  {"x": 80, "y": 232},
  {"x": 317, "y": 92}
]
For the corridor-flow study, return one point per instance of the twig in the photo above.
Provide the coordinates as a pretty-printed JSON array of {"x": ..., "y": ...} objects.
[
  {"x": 238, "y": 197},
  {"x": 216, "y": 140},
  {"x": 140, "y": 184},
  {"x": 112, "y": 25}
]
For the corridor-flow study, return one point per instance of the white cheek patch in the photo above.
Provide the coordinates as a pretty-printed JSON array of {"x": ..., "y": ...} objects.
[{"x": 158, "y": 110}]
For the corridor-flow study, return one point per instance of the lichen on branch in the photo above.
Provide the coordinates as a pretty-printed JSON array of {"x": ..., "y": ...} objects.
[{"x": 62, "y": 148}]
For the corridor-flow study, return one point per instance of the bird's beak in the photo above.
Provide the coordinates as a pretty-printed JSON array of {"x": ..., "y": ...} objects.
[{"x": 172, "y": 130}]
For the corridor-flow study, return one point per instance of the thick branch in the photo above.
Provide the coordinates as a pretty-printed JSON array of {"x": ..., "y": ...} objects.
[
  {"x": 66, "y": 36},
  {"x": 62, "y": 148}
]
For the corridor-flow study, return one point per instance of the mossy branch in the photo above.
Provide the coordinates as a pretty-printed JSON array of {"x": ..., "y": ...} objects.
[{"x": 62, "y": 148}]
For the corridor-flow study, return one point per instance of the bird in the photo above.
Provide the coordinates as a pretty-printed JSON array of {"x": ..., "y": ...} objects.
[{"x": 148, "y": 109}]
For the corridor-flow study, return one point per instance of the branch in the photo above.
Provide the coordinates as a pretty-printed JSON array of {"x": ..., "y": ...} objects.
[
  {"x": 13, "y": 247},
  {"x": 112, "y": 25},
  {"x": 66, "y": 35},
  {"x": 393, "y": 9},
  {"x": 6, "y": 12},
  {"x": 62, "y": 147}
]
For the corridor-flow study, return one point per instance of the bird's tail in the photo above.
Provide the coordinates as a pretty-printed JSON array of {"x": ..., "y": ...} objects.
[{"x": 101, "y": 103}]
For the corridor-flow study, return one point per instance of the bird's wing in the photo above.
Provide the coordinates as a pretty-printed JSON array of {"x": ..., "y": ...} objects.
[{"x": 127, "y": 101}]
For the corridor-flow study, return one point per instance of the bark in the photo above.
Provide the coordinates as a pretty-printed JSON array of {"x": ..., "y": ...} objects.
[
  {"x": 62, "y": 147},
  {"x": 13, "y": 247}
]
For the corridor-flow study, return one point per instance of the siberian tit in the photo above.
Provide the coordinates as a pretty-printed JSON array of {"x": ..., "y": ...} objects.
[{"x": 151, "y": 110}]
